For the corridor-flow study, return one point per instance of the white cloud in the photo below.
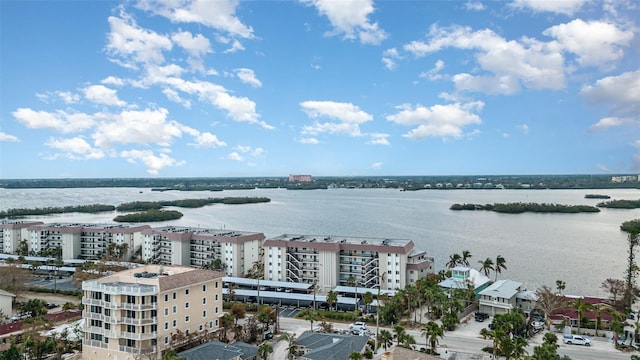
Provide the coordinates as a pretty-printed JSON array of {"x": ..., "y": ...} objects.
[
  {"x": 595, "y": 43},
  {"x": 474, "y": 6},
  {"x": 566, "y": 7},
  {"x": 377, "y": 166},
  {"x": 621, "y": 93},
  {"x": 175, "y": 97},
  {"x": 351, "y": 18},
  {"x": 68, "y": 97},
  {"x": 208, "y": 140},
  {"x": 235, "y": 156},
  {"x": 112, "y": 80},
  {"x": 378, "y": 139},
  {"x": 60, "y": 120},
  {"x": 135, "y": 44},
  {"x": 438, "y": 120},
  {"x": 309, "y": 140},
  {"x": 257, "y": 152},
  {"x": 194, "y": 45},
  {"x": 434, "y": 73},
  {"x": 349, "y": 117},
  {"x": 609, "y": 122},
  {"x": 509, "y": 64},
  {"x": 75, "y": 148},
  {"x": 389, "y": 58},
  {"x": 247, "y": 76},
  {"x": 101, "y": 94},
  {"x": 154, "y": 163},
  {"x": 4, "y": 137},
  {"x": 524, "y": 128},
  {"x": 235, "y": 47},
  {"x": 219, "y": 14},
  {"x": 136, "y": 127}
]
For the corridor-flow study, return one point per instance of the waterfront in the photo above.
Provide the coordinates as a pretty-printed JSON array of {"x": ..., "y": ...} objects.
[{"x": 580, "y": 249}]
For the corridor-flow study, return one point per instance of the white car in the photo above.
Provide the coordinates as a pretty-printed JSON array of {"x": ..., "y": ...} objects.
[
  {"x": 359, "y": 325},
  {"x": 576, "y": 340}
]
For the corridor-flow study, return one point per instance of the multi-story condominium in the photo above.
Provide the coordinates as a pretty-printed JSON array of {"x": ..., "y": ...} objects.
[
  {"x": 85, "y": 241},
  {"x": 12, "y": 233},
  {"x": 138, "y": 312},
  {"x": 237, "y": 252},
  {"x": 330, "y": 261}
]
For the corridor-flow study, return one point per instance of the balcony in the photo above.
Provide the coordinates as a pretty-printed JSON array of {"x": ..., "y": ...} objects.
[
  {"x": 105, "y": 304},
  {"x": 138, "y": 351},
  {"x": 137, "y": 307},
  {"x": 137, "y": 321},
  {"x": 138, "y": 336},
  {"x": 133, "y": 289},
  {"x": 94, "y": 343}
]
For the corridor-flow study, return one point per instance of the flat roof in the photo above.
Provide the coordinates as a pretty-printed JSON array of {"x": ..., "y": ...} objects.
[
  {"x": 267, "y": 283},
  {"x": 288, "y": 296},
  {"x": 362, "y": 290}
]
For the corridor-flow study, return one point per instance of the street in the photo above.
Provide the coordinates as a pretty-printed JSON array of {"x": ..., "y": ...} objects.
[{"x": 467, "y": 340}]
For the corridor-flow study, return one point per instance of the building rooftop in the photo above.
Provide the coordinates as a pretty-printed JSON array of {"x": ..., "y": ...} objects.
[
  {"x": 336, "y": 243},
  {"x": 475, "y": 277},
  {"x": 330, "y": 346},
  {"x": 216, "y": 350},
  {"x": 503, "y": 289}
]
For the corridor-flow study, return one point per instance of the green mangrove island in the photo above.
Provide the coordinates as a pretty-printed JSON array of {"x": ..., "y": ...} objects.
[
  {"x": 149, "y": 216},
  {"x": 597, "y": 196},
  {"x": 620, "y": 204},
  {"x": 519, "y": 207},
  {"x": 133, "y": 206}
]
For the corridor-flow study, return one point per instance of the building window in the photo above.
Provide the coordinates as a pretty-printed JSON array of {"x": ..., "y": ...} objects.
[
  {"x": 186, "y": 305},
  {"x": 166, "y": 340},
  {"x": 210, "y": 324},
  {"x": 186, "y": 318},
  {"x": 216, "y": 284},
  {"x": 175, "y": 309},
  {"x": 200, "y": 328},
  {"x": 204, "y": 287},
  {"x": 175, "y": 323},
  {"x": 166, "y": 326},
  {"x": 216, "y": 297},
  {"x": 204, "y": 314},
  {"x": 166, "y": 311},
  {"x": 166, "y": 297},
  {"x": 174, "y": 296},
  {"x": 107, "y": 326},
  {"x": 107, "y": 312},
  {"x": 186, "y": 291}
]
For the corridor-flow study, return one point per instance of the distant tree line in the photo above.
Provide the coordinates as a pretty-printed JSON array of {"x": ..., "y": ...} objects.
[
  {"x": 620, "y": 204},
  {"x": 519, "y": 207},
  {"x": 133, "y": 206},
  {"x": 95, "y": 208}
]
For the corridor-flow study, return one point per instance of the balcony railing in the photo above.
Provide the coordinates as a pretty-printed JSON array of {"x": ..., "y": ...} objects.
[
  {"x": 94, "y": 343},
  {"x": 136, "y": 290},
  {"x": 138, "y": 336},
  {"x": 137, "y": 307},
  {"x": 137, "y": 321},
  {"x": 138, "y": 351}
]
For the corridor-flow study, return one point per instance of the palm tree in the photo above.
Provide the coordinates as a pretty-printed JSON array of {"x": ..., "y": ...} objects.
[
  {"x": 332, "y": 298},
  {"x": 292, "y": 346},
  {"x": 581, "y": 307},
  {"x": 385, "y": 339},
  {"x": 432, "y": 331},
  {"x": 560, "y": 286},
  {"x": 499, "y": 265},
  {"x": 519, "y": 347},
  {"x": 466, "y": 255},
  {"x": 454, "y": 260},
  {"x": 487, "y": 266},
  {"x": 264, "y": 350},
  {"x": 310, "y": 316},
  {"x": 400, "y": 333},
  {"x": 367, "y": 299}
]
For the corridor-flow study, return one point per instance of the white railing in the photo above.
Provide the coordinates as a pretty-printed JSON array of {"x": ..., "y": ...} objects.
[
  {"x": 138, "y": 336},
  {"x": 137, "y": 307},
  {"x": 135, "y": 321},
  {"x": 138, "y": 351},
  {"x": 120, "y": 289},
  {"x": 94, "y": 343}
]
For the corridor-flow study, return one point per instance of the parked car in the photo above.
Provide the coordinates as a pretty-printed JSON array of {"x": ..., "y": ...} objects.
[
  {"x": 576, "y": 340},
  {"x": 481, "y": 316}
]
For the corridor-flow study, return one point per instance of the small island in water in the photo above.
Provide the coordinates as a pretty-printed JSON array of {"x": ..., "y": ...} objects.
[
  {"x": 519, "y": 207},
  {"x": 597, "y": 196}
]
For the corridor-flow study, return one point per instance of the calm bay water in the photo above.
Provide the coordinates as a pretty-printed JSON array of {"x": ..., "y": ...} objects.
[{"x": 580, "y": 249}]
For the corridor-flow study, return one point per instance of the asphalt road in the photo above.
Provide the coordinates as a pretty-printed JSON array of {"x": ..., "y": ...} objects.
[{"x": 468, "y": 342}]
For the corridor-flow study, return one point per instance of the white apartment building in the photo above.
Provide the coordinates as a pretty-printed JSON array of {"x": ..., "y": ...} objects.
[
  {"x": 238, "y": 251},
  {"x": 137, "y": 312},
  {"x": 330, "y": 261},
  {"x": 13, "y": 232},
  {"x": 84, "y": 241}
]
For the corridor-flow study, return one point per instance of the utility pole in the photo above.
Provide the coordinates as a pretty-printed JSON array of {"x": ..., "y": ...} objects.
[{"x": 381, "y": 278}]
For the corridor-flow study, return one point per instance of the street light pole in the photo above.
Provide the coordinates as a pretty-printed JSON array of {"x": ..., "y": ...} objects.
[{"x": 381, "y": 278}]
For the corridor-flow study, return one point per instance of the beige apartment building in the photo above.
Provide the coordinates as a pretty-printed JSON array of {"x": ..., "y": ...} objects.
[
  {"x": 137, "y": 312},
  {"x": 13, "y": 232},
  {"x": 331, "y": 261},
  {"x": 237, "y": 251}
]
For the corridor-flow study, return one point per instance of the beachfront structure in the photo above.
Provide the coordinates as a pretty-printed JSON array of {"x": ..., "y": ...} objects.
[
  {"x": 504, "y": 295},
  {"x": 237, "y": 252},
  {"x": 6, "y": 303},
  {"x": 84, "y": 241},
  {"x": 137, "y": 312},
  {"x": 463, "y": 278},
  {"x": 329, "y": 261},
  {"x": 12, "y": 233}
]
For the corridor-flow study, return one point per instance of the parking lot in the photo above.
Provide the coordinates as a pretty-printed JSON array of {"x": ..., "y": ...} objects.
[{"x": 285, "y": 311}]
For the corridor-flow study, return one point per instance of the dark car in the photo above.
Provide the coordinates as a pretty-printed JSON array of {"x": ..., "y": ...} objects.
[
  {"x": 51, "y": 306},
  {"x": 481, "y": 316}
]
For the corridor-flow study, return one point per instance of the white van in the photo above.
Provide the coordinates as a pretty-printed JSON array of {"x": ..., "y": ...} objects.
[{"x": 576, "y": 340}]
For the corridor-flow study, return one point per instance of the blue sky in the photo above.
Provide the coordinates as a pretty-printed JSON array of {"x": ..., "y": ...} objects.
[{"x": 217, "y": 88}]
